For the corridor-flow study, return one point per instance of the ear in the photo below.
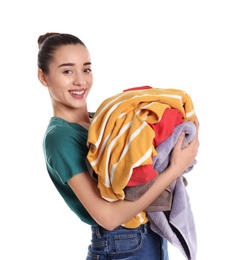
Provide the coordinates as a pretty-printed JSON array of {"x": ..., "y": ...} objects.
[{"x": 42, "y": 78}]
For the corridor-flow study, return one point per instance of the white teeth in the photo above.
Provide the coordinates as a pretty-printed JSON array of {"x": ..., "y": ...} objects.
[{"x": 77, "y": 92}]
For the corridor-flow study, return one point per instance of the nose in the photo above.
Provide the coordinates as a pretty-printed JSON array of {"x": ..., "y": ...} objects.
[{"x": 79, "y": 80}]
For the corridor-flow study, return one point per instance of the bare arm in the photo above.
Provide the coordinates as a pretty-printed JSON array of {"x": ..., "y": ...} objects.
[{"x": 107, "y": 214}]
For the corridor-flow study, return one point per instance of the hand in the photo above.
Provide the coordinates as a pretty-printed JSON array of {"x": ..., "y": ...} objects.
[{"x": 182, "y": 158}]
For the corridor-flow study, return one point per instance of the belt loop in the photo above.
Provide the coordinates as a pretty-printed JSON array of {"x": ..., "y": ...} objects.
[
  {"x": 97, "y": 231},
  {"x": 146, "y": 228}
]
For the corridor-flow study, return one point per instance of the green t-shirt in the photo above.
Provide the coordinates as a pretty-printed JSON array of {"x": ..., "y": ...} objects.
[{"x": 65, "y": 149}]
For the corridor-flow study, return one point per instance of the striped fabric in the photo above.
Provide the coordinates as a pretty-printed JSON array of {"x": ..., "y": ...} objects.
[{"x": 120, "y": 138}]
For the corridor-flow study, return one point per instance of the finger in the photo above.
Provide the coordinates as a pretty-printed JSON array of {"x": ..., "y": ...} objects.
[{"x": 180, "y": 140}]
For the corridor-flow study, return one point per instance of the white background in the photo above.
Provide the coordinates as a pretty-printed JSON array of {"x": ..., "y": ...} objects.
[{"x": 188, "y": 45}]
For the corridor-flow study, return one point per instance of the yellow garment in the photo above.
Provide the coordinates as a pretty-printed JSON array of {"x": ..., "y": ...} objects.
[{"x": 120, "y": 138}]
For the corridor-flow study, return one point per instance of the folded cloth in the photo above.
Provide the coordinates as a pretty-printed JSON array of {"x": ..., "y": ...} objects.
[{"x": 162, "y": 203}]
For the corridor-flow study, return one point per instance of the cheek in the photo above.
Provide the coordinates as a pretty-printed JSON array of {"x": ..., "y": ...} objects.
[
  {"x": 90, "y": 81},
  {"x": 53, "y": 93}
]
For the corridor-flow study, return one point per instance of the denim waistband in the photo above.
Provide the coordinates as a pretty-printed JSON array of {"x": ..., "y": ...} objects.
[{"x": 98, "y": 230}]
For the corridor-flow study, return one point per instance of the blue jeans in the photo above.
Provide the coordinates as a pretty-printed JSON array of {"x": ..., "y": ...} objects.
[{"x": 130, "y": 244}]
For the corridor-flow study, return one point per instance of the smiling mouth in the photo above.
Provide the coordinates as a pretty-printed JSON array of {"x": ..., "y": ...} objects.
[{"x": 81, "y": 92}]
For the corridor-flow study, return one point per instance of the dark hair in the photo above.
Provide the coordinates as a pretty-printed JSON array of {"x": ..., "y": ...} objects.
[{"x": 48, "y": 43}]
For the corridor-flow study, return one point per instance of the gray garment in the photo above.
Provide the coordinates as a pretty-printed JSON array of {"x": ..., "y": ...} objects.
[{"x": 176, "y": 225}]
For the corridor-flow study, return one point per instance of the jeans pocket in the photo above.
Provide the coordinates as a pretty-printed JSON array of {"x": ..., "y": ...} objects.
[
  {"x": 128, "y": 243},
  {"x": 120, "y": 243}
]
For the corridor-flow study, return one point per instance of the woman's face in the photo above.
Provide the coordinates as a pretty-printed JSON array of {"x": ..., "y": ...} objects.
[{"x": 70, "y": 77}]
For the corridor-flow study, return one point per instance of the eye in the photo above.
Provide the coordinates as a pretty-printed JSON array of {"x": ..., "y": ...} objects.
[
  {"x": 88, "y": 71},
  {"x": 67, "y": 72}
]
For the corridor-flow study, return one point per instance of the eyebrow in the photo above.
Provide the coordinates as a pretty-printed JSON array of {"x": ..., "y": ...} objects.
[{"x": 72, "y": 64}]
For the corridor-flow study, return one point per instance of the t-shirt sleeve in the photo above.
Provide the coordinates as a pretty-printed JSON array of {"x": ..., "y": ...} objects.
[{"x": 65, "y": 152}]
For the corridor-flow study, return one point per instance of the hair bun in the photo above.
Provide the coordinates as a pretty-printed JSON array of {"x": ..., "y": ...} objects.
[{"x": 43, "y": 37}]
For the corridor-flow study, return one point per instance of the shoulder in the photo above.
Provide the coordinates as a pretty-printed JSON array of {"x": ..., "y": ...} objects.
[
  {"x": 56, "y": 135},
  {"x": 59, "y": 136},
  {"x": 65, "y": 139}
]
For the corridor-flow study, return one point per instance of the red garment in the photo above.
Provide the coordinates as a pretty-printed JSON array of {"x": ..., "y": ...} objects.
[
  {"x": 165, "y": 127},
  {"x": 142, "y": 174},
  {"x": 137, "y": 88}
]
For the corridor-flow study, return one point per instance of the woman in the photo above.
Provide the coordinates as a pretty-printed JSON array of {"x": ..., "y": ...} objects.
[{"x": 64, "y": 67}]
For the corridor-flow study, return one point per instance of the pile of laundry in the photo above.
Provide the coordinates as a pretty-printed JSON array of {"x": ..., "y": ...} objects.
[{"x": 130, "y": 141}]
